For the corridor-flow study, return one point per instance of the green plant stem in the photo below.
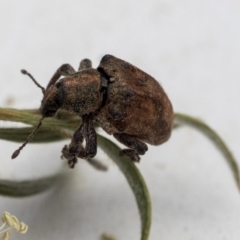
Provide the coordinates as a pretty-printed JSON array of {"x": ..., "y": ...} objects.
[
  {"x": 135, "y": 180},
  {"x": 182, "y": 119}
]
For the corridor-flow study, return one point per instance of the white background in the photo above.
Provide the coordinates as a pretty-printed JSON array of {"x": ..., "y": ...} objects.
[{"x": 193, "y": 49}]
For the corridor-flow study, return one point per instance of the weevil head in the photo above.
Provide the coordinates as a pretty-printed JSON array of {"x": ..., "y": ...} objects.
[
  {"x": 50, "y": 101},
  {"x": 49, "y": 106}
]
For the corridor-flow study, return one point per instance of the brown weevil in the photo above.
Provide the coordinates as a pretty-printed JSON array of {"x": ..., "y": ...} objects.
[{"x": 125, "y": 101}]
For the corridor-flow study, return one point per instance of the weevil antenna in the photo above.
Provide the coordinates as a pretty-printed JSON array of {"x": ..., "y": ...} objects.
[
  {"x": 27, "y": 73},
  {"x": 16, "y": 153}
]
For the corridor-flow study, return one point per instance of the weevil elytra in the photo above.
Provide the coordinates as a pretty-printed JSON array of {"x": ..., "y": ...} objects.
[{"x": 125, "y": 101}]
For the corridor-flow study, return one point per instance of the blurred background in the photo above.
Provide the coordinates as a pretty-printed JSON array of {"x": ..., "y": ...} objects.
[{"x": 192, "y": 48}]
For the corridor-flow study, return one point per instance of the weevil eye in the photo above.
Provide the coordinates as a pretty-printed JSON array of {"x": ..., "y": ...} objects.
[
  {"x": 48, "y": 109},
  {"x": 49, "y": 105}
]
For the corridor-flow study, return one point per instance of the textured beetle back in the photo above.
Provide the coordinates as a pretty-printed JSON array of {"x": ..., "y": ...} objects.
[{"x": 136, "y": 103}]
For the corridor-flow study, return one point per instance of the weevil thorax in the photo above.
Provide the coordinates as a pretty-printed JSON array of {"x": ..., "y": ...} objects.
[
  {"x": 50, "y": 102},
  {"x": 80, "y": 93}
]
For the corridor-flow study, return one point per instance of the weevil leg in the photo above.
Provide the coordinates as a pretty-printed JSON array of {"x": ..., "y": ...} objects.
[
  {"x": 130, "y": 153},
  {"x": 136, "y": 146},
  {"x": 75, "y": 149},
  {"x": 91, "y": 140},
  {"x": 90, "y": 149},
  {"x": 64, "y": 70},
  {"x": 72, "y": 160},
  {"x": 77, "y": 140},
  {"x": 70, "y": 152},
  {"x": 85, "y": 64}
]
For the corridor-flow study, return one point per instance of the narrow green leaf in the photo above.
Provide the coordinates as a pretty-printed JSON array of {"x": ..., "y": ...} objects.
[
  {"x": 27, "y": 188},
  {"x": 31, "y": 117},
  {"x": 182, "y": 119},
  {"x": 55, "y": 126},
  {"x": 43, "y": 135},
  {"x": 135, "y": 181},
  {"x": 52, "y": 130}
]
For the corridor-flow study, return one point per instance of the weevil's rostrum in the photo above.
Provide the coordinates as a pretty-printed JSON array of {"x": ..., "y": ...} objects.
[{"x": 126, "y": 102}]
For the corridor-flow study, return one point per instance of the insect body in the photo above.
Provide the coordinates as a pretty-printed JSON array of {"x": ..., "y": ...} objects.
[{"x": 125, "y": 101}]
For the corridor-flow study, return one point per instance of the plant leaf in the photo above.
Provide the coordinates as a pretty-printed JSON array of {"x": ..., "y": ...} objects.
[
  {"x": 31, "y": 117},
  {"x": 132, "y": 174},
  {"x": 182, "y": 119},
  {"x": 43, "y": 135},
  {"x": 27, "y": 188},
  {"x": 135, "y": 181},
  {"x": 53, "y": 130}
]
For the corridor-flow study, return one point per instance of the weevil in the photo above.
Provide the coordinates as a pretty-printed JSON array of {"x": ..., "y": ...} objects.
[{"x": 125, "y": 101}]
